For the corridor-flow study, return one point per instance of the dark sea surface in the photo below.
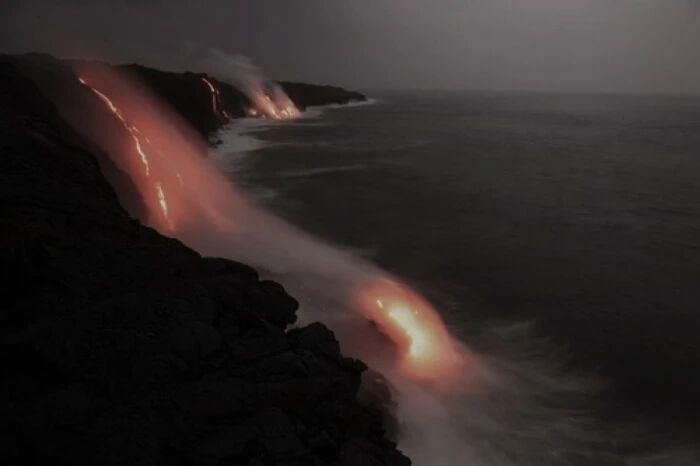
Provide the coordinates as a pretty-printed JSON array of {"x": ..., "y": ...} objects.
[{"x": 574, "y": 217}]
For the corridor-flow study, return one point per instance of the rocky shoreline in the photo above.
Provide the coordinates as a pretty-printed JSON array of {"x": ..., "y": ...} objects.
[{"x": 119, "y": 346}]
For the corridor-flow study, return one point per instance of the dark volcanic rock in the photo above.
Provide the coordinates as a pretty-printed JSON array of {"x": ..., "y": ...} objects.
[
  {"x": 84, "y": 112},
  {"x": 308, "y": 95},
  {"x": 191, "y": 98},
  {"x": 119, "y": 346}
]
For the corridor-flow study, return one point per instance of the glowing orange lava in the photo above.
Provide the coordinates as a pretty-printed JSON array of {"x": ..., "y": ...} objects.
[
  {"x": 205, "y": 207},
  {"x": 215, "y": 96},
  {"x": 163, "y": 202},
  {"x": 274, "y": 104},
  {"x": 420, "y": 345},
  {"x": 216, "y": 105},
  {"x": 131, "y": 129},
  {"x": 136, "y": 136},
  {"x": 411, "y": 322}
]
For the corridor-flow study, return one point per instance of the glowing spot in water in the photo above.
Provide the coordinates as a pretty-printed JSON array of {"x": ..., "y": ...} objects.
[
  {"x": 420, "y": 346},
  {"x": 424, "y": 346}
]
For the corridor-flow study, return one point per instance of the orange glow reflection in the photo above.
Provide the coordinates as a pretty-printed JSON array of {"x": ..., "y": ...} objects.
[
  {"x": 426, "y": 348},
  {"x": 420, "y": 345}
]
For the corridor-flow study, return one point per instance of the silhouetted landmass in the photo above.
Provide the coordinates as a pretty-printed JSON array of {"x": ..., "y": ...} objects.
[
  {"x": 311, "y": 95},
  {"x": 119, "y": 346},
  {"x": 187, "y": 94}
]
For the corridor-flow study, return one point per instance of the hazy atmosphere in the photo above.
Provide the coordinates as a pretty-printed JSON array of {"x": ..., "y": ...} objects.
[
  {"x": 553, "y": 45},
  {"x": 350, "y": 232}
]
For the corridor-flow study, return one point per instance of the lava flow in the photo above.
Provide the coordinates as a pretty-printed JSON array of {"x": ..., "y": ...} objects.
[
  {"x": 138, "y": 145},
  {"x": 206, "y": 211},
  {"x": 215, "y": 99},
  {"x": 411, "y": 322},
  {"x": 133, "y": 131},
  {"x": 273, "y": 104}
]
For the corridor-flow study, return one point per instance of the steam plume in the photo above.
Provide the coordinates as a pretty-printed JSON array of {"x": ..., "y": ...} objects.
[{"x": 268, "y": 99}]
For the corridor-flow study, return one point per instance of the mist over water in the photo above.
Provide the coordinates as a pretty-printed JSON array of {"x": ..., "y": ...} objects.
[
  {"x": 499, "y": 395},
  {"x": 387, "y": 182}
]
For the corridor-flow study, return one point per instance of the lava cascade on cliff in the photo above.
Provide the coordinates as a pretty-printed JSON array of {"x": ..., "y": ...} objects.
[
  {"x": 136, "y": 135},
  {"x": 216, "y": 103},
  {"x": 273, "y": 104},
  {"x": 189, "y": 198}
]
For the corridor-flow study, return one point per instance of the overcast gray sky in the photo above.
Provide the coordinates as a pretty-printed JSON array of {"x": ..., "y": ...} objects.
[{"x": 558, "y": 45}]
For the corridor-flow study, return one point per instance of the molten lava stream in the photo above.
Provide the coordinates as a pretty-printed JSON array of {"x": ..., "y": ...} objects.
[
  {"x": 215, "y": 95},
  {"x": 426, "y": 349},
  {"x": 158, "y": 189}
]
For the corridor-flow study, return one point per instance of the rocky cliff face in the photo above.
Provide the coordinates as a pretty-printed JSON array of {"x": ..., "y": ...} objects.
[{"x": 119, "y": 346}]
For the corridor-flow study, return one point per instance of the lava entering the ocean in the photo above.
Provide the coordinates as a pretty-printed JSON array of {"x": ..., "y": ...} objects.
[
  {"x": 188, "y": 197},
  {"x": 273, "y": 104},
  {"x": 216, "y": 104},
  {"x": 411, "y": 322}
]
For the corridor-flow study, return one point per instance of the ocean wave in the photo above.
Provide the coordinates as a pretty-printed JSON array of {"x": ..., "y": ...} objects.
[{"x": 320, "y": 171}]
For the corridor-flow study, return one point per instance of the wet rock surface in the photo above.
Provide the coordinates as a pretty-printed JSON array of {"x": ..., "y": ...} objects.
[{"x": 119, "y": 346}]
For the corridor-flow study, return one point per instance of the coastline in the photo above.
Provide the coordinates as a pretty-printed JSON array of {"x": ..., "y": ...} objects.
[{"x": 114, "y": 331}]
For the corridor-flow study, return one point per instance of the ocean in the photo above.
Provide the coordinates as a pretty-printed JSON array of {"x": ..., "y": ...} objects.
[{"x": 557, "y": 235}]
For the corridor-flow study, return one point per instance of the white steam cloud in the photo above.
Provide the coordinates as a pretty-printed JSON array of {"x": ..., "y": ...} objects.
[{"x": 268, "y": 99}]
